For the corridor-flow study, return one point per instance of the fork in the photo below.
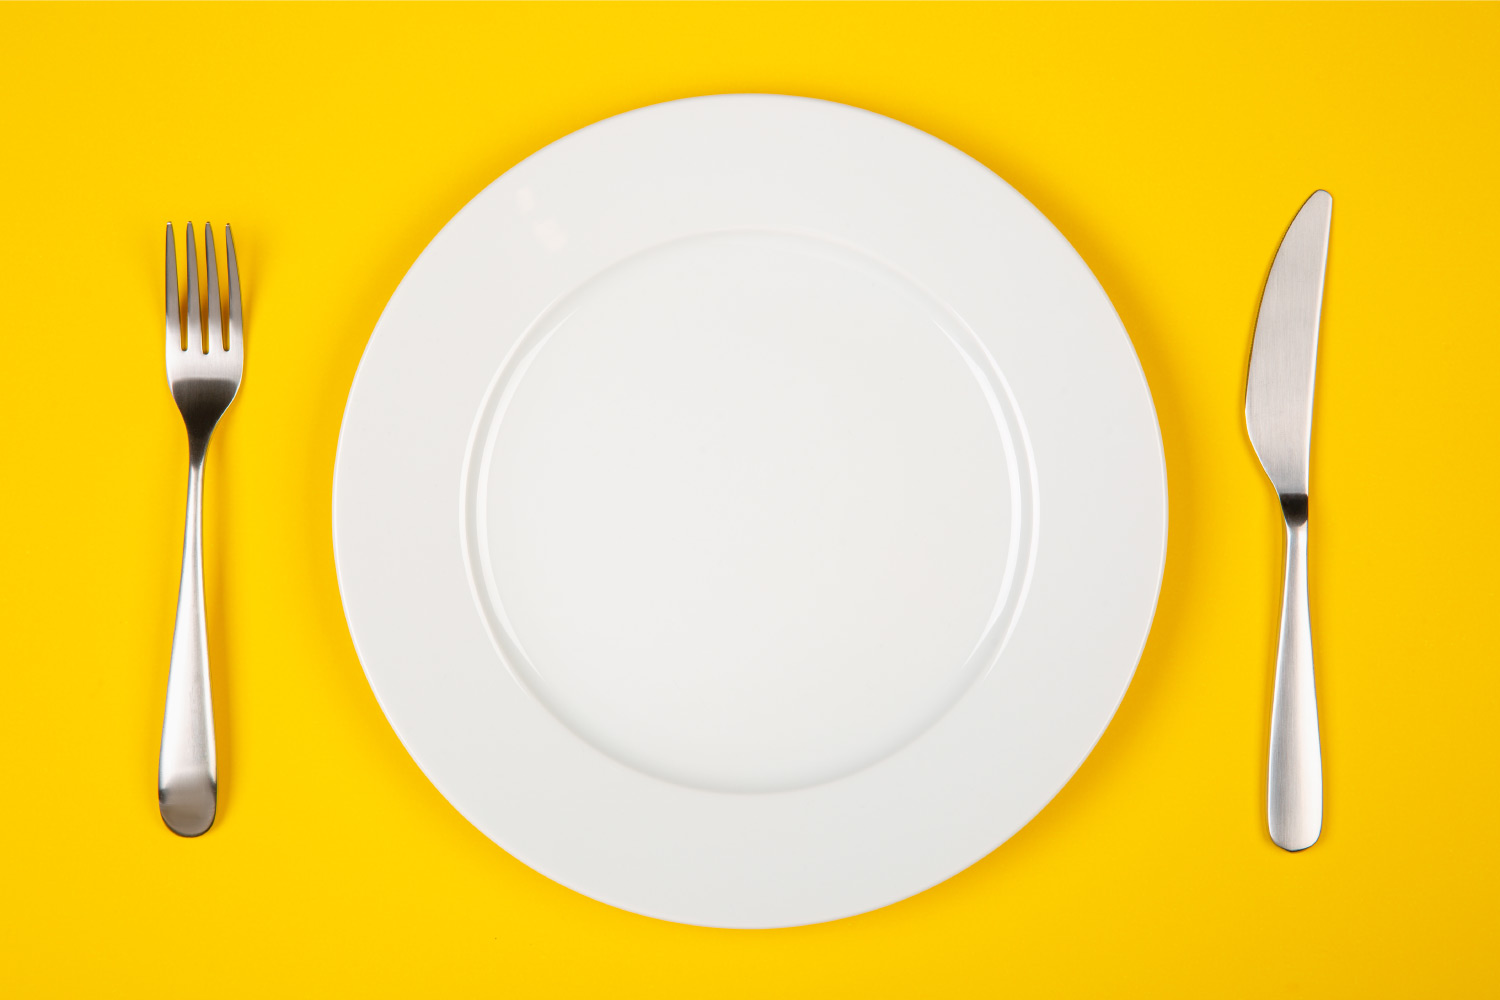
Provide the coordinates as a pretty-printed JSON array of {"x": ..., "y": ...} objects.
[{"x": 204, "y": 377}]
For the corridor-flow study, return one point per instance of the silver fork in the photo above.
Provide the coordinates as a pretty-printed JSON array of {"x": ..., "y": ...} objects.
[{"x": 204, "y": 378}]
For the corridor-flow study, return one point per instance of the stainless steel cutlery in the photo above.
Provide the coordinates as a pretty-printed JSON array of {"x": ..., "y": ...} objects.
[
  {"x": 204, "y": 375},
  {"x": 1278, "y": 414},
  {"x": 205, "y": 363}
]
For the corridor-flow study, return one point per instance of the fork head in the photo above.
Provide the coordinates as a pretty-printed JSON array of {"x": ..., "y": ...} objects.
[{"x": 203, "y": 372}]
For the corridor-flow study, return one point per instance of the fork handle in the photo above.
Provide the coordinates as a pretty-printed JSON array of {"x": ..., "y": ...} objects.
[
  {"x": 1294, "y": 784},
  {"x": 187, "y": 778}
]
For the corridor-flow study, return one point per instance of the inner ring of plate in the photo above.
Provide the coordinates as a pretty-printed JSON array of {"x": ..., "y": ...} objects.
[{"x": 682, "y": 465}]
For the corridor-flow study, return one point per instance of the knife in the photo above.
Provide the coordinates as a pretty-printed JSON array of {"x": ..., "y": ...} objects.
[{"x": 1278, "y": 414}]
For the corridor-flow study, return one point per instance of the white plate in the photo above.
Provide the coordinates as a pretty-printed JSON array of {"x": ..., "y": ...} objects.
[{"x": 749, "y": 511}]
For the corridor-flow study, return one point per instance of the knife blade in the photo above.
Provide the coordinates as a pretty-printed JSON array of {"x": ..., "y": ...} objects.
[
  {"x": 1284, "y": 357},
  {"x": 1278, "y": 416}
]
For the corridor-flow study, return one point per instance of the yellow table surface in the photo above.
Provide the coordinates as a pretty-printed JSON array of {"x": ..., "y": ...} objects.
[{"x": 1170, "y": 144}]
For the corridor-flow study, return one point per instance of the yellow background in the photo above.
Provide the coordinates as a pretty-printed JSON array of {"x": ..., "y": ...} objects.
[{"x": 1171, "y": 144}]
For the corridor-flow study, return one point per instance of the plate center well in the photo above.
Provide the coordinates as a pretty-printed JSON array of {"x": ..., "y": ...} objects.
[{"x": 748, "y": 511}]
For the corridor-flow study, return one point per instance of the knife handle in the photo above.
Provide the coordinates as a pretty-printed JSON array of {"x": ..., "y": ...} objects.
[{"x": 1294, "y": 806}]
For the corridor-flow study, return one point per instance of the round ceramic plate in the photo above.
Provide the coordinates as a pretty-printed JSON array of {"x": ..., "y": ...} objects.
[{"x": 749, "y": 511}]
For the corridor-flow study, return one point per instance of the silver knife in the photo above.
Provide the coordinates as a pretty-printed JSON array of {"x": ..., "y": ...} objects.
[{"x": 1278, "y": 413}]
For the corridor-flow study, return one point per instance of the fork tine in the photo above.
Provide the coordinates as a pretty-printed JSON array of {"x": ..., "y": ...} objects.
[
  {"x": 211, "y": 301},
  {"x": 195, "y": 321},
  {"x": 236, "y": 320},
  {"x": 174, "y": 296}
]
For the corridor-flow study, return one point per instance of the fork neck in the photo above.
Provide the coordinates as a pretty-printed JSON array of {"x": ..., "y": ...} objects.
[{"x": 198, "y": 447}]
